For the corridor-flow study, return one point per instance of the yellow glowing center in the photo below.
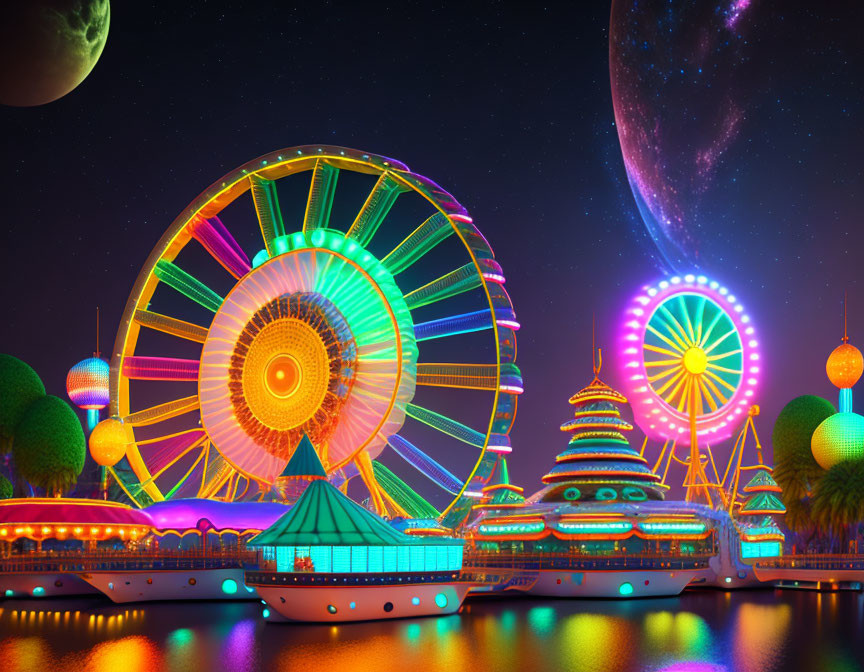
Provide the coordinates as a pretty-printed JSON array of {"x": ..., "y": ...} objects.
[
  {"x": 695, "y": 360},
  {"x": 283, "y": 376}
]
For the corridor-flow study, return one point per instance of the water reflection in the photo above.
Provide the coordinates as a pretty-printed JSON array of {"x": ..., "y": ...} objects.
[{"x": 699, "y": 632}]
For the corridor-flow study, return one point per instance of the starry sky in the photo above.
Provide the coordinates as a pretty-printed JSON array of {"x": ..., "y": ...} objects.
[{"x": 507, "y": 106}]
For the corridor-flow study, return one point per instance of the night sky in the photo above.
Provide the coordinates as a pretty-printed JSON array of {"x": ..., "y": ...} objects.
[{"x": 509, "y": 108}]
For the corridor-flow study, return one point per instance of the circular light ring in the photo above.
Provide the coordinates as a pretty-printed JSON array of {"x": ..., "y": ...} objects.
[
  {"x": 361, "y": 299},
  {"x": 303, "y": 337},
  {"x": 658, "y": 419}
]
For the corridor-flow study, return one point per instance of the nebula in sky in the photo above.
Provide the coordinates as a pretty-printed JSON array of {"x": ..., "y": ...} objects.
[{"x": 680, "y": 76}]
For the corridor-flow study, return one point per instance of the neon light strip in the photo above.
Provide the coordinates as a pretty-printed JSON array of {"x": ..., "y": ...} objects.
[
  {"x": 216, "y": 239},
  {"x": 402, "y": 493},
  {"x": 170, "y": 325},
  {"x": 466, "y": 376},
  {"x": 596, "y": 528},
  {"x": 154, "y": 414},
  {"x": 456, "y": 282},
  {"x": 450, "y": 326},
  {"x": 444, "y": 424},
  {"x": 160, "y": 368},
  {"x": 512, "y": 528},
  {"x": 424, "y": 464},
  {"x": 375, "y": 209},
  {"x": 267, "y": 208},
  {"x": 661, "y": 528},
  {"x": 320, "y": 201},
  {"x": 188, "y": 286},
  {"x": 423, "y": 239}
]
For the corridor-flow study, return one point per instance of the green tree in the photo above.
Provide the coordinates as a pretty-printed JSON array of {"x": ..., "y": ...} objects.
[
  {"x": 5, "y": 488},
  {"x": 49, "y": 446},
  {"x": 795, "y": 470},
  {"x": 19, "y": 387},
  {"x": 838, "y": 500}
]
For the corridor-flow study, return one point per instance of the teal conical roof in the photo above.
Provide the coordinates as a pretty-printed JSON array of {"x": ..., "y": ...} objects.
[
  {"x": 304, "y": 463},
  {"x": 323, "y": 516},
  {"x": 499, "y": 491},
  {"x": 762, "y": 482}
]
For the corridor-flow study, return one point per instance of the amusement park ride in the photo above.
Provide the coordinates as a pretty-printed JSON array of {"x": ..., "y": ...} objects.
[
  {"x": 321, "y": 329},
  {"x": 263, "y": 371},
  {"x": 690, "y": 364}
]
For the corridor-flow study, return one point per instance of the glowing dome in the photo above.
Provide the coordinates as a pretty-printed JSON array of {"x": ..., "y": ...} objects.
[
  {"x": 840, "y": 437},
  {"x": 87, "y": 383},
  {"x": 845, "y": 365},
  {"x": 108, "y": 442}
]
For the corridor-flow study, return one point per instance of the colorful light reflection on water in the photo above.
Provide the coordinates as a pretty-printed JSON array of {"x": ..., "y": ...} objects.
[{"x": 699, "y": 632}]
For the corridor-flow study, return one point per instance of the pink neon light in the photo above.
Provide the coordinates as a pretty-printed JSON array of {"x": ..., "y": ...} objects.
[
  {"x": 672, "y": 425},
  {"x": 160, "y": 368},
  {"x": 216, "y": 239}
]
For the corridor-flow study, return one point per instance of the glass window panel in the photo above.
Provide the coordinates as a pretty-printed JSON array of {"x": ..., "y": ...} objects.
[
  {"x": 431, "y": 558},
  {"x": 418, "y": 559},
  {"x": 341, "y": 559},
  {"x": 285, "y": 559},
  {"x": 390, "y": 562},
  {"x": 358, "y": 559},
  {"x": 442, "y": 561},
  {"x": 402, "y": 565},
  {"x": 320, "y": 556},
  {"x": 376, "y": 559}
]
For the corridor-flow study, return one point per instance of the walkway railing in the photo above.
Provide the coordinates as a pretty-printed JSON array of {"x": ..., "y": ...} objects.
[
  {"x": 126, "y": 561},
  {"x": 479, "y": 561},
  {"x": 817, "y": 561}
]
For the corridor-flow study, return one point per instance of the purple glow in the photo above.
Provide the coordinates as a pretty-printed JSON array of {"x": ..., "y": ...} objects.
[
  {"x": 736, "y": 9},
  {"x": 216, "y": 239},
  {"x": 160, "y": 368},
  {"x": 655, "y": 417},
  {"x": 185, "y": 514}
]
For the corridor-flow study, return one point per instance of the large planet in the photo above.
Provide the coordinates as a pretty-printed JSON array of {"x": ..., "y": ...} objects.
[
  {"x": 679, "y": 72},
  {"x": 48, "y": 47}
]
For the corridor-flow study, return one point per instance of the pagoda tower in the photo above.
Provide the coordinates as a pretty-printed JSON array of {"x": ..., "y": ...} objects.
[
  {"x": 756, "y": 515},
  {"x": 598, "y": 463}
]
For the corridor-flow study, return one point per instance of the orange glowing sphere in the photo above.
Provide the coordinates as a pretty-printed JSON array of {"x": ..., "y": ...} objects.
[
  {"x": 845, "y": 365},
  {"x": 283, "y": 375},
  {"x": 108, "y": 442}
]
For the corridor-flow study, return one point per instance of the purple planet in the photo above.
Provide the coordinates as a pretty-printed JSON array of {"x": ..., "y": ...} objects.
[{"x": 678, "y": 70}]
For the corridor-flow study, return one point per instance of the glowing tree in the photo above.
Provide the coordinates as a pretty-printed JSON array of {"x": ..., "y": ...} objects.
[
  {"x": 795, "y": 469},
  {"x": 5, "y": 488},
  {"x": 49, "y": 446},
  {"x": 20, "y": 386}
]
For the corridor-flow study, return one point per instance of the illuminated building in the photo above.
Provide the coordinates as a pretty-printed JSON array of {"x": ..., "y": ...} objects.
[
  {"x": 760, "y": 536},
  {"x": 329, "y": 559},
  {"x": 600, "y": 526}
]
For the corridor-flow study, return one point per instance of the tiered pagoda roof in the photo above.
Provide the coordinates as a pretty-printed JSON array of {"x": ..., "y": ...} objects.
[
  {"x": 763, "y": 501},
  {"x": 599, "y": 457}
]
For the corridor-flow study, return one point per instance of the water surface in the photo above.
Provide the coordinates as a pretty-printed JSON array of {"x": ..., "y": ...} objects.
[{"x": 705, "y": 631}]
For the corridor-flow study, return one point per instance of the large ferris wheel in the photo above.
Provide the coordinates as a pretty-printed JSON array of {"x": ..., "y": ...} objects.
[{"x": 319, "y": 324}]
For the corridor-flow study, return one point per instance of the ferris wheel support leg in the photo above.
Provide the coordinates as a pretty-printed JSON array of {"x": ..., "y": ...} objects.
[{"x": 364, "y": 466}]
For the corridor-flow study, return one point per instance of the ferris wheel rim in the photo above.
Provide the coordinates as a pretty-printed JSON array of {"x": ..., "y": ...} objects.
[
  {"x": 716, "y": 425},
  {"x": 176, "y": 236}
]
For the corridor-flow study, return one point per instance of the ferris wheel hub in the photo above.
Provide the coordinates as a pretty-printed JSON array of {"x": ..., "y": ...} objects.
[
  {"x": 695, "y": 360},
  {"x": 283, "y": 376}
]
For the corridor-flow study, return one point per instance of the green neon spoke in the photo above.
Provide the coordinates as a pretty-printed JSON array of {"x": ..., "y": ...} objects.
[
  {"x": 707, "y": 335},
  {"x": 267, "y": 208},
  {"x": 414, "y": 505},
  {"x": 731, "y": 353},
  {"x": 321, "y": 192},
  {"x": 680, "y": 336},
  {"x": 418, "y": 243},
  {"x": 687, "y": 318},
  {"x": 446, "y": 425},
  {"x": 720, "y": 340},
  {"x": 700, "y": 320},
  {"x": 178, "y": 279},
  {"x": 375, "y": 209},
  {"x": 456, "y": 282}
]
